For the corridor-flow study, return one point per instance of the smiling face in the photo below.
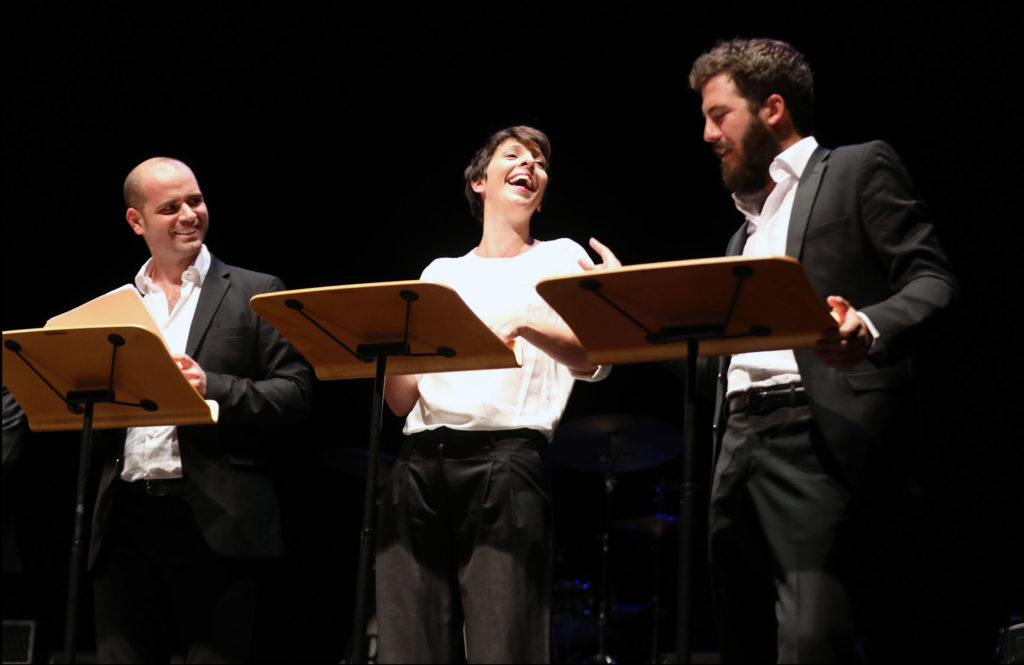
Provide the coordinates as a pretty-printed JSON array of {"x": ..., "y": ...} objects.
[
  {"x": 741, "y": 139},
  {"x": 169, "y": 212},
  {"x": 515, "y": 179}
]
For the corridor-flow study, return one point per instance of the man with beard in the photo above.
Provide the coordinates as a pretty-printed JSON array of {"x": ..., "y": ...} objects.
[{"x": 808, "y": 440}]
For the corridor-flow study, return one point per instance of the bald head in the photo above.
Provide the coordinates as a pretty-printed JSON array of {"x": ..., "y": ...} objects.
[
  {"x": 133, "y": 184},
  {"x": 166, "y": 207}
]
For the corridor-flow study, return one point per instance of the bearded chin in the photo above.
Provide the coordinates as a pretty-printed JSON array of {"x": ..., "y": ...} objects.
[
  {"x": 741, "y": 179},
  {"x": 749, "y": 174}
]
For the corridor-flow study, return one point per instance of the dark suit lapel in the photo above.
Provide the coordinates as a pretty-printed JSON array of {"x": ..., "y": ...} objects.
[
  {"x": 737, "y": 241},
  {"x": 803, "y": 201},
  {"x": 216, "y": 285}
]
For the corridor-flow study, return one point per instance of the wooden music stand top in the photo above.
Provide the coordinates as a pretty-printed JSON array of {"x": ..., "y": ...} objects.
[
  {"x": 79, "y": 358},
  {"x": 680, "y": 294},
  {"x": 359, "y": 314}
]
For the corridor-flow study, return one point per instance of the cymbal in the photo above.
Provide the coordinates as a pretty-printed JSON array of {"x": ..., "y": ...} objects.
[{"x": 615, "y": 442}]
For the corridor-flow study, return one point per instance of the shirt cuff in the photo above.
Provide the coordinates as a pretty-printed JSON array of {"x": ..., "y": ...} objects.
[
  {"x": 598, "y": 374},
  {"x": 875, "y": 335}
]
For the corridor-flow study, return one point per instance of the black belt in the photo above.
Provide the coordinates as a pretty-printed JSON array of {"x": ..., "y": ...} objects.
[
  {"x": 158, "y": 487},
  {"x": 759, "y": 401},
  {"x": 456, "y": 444}
]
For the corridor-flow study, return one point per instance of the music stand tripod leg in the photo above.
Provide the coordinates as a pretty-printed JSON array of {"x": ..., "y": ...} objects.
[
  {"x": 686, "y": 508},
  {"x": 77, "y": 541},
  {"x": 367, "y": 541},
  {"x": 83, "y": 401}
]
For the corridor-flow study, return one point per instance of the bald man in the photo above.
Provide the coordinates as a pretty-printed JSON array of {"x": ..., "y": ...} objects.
[{"x": 185, "y": 515}]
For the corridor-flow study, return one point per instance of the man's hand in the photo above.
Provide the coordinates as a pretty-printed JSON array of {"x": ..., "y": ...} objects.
[
  {"x": 193, "y": 372},
  {"x": 608, "y": 259},
  {"x": 848, "y": 345}
]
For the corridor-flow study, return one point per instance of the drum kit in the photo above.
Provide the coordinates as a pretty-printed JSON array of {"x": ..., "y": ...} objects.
[{"x": 585, "y": 616}]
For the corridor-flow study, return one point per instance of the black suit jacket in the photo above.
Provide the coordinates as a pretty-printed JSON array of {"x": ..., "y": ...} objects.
[
  {"x": 861, "y": 232},
  {"x": 262, "y": 384}
]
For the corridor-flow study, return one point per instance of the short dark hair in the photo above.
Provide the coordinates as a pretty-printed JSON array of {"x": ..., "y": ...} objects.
[
  {"x": 761, "y": 68},
  {"x": 534, "y": 139}
]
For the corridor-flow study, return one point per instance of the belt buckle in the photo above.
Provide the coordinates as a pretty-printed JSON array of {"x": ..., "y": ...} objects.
[{"x": 758, "y": 402}]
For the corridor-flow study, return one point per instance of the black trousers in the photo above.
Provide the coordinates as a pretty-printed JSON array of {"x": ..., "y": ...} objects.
[
  {"x": 779, "y": 550},
  {"x": 160, "y": 590},
  {"x": 465, "y": 539}
]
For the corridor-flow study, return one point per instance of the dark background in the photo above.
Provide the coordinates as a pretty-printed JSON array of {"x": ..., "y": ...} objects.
[{"x": 330, "y": 147}]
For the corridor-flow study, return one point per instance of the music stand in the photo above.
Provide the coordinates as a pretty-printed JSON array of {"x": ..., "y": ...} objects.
[
  {"x": 683, "y": 309},
  {"x": 96, "y": 376},
  {"x": 407, "y": 327}
]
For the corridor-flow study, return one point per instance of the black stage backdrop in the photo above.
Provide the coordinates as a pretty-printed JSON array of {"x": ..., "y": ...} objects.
[{"x": 330, "y": 147}]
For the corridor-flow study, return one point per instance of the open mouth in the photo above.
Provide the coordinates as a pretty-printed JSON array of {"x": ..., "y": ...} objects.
[{"x": 523, "y": 180}]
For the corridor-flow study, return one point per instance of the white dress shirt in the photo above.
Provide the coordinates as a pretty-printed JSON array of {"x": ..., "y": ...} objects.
[
  {"x": 152, "y": 452},
  {"x": 767, "y": 228},
  {"x": 497, "y": 289}
]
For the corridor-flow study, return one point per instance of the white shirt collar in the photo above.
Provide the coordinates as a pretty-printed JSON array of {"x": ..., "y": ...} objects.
[
  {"x": 790, "y": 163},
  {"x": 195, "y": 273}
]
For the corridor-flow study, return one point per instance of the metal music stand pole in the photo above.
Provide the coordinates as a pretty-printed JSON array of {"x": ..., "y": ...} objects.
[
  {"x": 681, "y": 309},
  {"x": 127, "y": 361},
  {"x": 408, "y": 327}
]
